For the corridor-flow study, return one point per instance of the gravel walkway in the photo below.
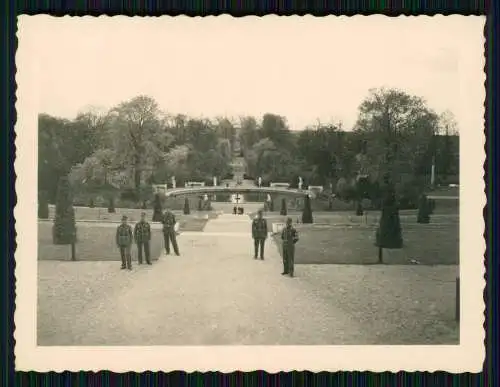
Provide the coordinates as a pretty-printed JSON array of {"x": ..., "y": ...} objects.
[{"x": 215, "y": 293}]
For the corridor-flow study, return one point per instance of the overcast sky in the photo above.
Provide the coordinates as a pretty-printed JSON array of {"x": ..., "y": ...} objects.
[{"x": 302, "y": 68}]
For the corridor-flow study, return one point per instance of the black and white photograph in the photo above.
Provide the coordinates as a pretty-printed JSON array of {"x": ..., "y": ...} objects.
[{"x": 259, "y": 192}]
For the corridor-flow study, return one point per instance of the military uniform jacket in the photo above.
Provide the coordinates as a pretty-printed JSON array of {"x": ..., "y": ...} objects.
[
  {"x": 259, "y": 229},
  {"x": 290, "y": 236},
  {"x": 142, "y": 232},
  {"x": 124, "y": 235},
  {"x": 168, "y": 221}
]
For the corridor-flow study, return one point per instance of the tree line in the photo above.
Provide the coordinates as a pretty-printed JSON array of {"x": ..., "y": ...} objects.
[
  {"x": 396, "y": 135},
  {"x": 135, "y": 144},
  {"x": 130, "y": 147}
]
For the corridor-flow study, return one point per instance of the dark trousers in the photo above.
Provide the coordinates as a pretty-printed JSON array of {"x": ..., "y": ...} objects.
[
  {"x": 169, "y": 236},
  {"x": 126, "y": 256},
  {"x": 259, "y": 242},
  {"x": 140, "y": 246},
  {"x": 288, "y": 258}
]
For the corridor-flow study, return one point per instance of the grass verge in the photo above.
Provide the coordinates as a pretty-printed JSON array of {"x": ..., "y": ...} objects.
[
  {"x": 96, "y": 241},
  {"x": 425, "y": 244}
]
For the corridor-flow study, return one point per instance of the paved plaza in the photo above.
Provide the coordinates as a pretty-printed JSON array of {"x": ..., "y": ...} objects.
[{"x": 215, "y": 293}]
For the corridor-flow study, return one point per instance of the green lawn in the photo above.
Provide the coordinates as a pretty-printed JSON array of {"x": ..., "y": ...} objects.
[
  {"x": 100, "y": 213},
  {"x": 347, "y": 218},
  {"x": 443, "y": 206},
  {"x": 327, "y": 244},
  {"x": 96, "y": 241}
]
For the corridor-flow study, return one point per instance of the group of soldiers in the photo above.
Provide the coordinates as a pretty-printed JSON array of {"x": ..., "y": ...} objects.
[
  {"x": 289, "y": 237},
  {"x": 238, "y": 210},
  {"x": 141, "y": 235}
]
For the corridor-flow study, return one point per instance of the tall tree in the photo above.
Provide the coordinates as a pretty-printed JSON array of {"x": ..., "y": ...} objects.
[
  {"x": 275, "y": 128},
  {"x": 174, "y": 163},
  {"x": 60, "y": 146},
  {"x": 398, "y": 129},
  {"x": 136, "y": 127},
  {"x": 446, "y": 156},
  {"x": 249, "y": 133},
  {"x": 96, "y": 170},
  {"x": 326, "y": 151},
  {"x": 226, "y": 131}
]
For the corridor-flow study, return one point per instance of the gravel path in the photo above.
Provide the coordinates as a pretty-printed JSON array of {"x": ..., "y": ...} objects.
[{"x": 215, "y": 293}]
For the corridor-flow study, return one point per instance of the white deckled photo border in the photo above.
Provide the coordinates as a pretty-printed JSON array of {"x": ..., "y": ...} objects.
[{"x": 468, "y": 356}]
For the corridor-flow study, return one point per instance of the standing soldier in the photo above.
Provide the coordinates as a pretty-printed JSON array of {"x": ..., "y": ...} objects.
[
  {"x": 169, "y": 234},
  {"x": 259, "y": 234},
  {"x": 124, "y": 240},
  {"x": 290, "y": 237},
  {"x": 142, "y": 236}
]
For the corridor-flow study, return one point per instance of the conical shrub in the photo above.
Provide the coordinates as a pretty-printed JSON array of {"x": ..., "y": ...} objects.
[
  {"x": 157, "y": 209},
  {"x": 283, "y": 210},
  {"x": 389, "y": 235},
  {"x": 307, "y": 211},
  {"x": 424, "y": 210},
  {"x": 186, "y": 207},
  {"x": 111, "y": 206},
  {"x": 64, "y": 229}
]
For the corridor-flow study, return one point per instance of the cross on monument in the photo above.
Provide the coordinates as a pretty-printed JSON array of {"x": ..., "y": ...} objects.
[{"x": 237, "y": 198}]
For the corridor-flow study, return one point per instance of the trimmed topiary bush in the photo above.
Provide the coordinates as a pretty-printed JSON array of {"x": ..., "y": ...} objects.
[
  {"x": 283, "y": 210},
  {"x": 64, "y": 229},
  {"x": 359, "y": 208},
  {"x": 111, "y": 205},
  {"x": 307, "y": 211},
  {"x": 186, "y": 207},
  {"x": 389, "y": 235},
  {"x": 424, "y": 210},
  {"x": 157, "y": 209},
  {"x": 43, "y": 206}
]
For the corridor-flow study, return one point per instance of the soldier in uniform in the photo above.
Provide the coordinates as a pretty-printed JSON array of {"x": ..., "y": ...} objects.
[
  {"x": 169, "y": 234},
  {"x": 259, "y": 234},
  {"x": 124, "y": 238},
  {"x": 142, "y": 236},
  {"x": 289, "y": 237}
]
